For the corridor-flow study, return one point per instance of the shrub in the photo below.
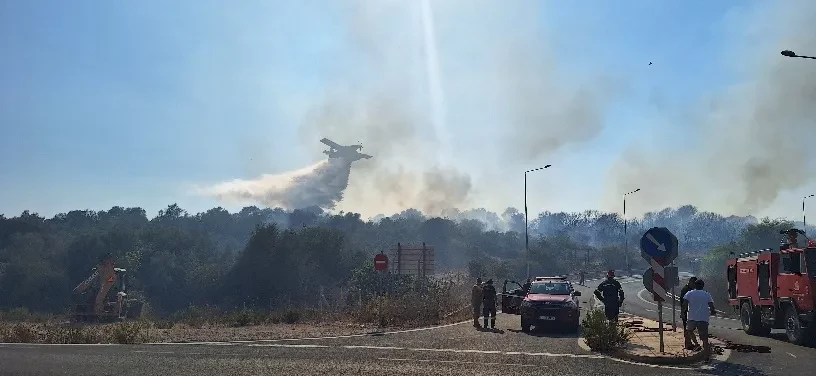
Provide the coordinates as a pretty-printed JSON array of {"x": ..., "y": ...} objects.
[
  {"x": 600, "y": 335},
  {"x": 18, "y": 333},
  {"x": 128, "y": 332}
]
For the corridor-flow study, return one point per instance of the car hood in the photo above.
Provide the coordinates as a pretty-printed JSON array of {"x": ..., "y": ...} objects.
[{"x": 547, "y": 298}]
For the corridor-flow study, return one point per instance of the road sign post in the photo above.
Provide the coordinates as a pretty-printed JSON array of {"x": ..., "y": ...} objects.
[
  {"x": 674, "y": 311},
  {"x": 673, "y": 280},
  {"x": 658, "y": 247}
]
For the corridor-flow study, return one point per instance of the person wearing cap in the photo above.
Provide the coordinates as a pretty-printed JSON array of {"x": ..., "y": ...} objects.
[
  {"x": 476, "y": 302},
  {"x": 611, "y": 294},
  {"x": 489, "y": 303}
]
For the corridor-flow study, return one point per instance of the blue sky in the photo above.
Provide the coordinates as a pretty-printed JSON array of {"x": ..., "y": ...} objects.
[{"x": 129, "y": 103}]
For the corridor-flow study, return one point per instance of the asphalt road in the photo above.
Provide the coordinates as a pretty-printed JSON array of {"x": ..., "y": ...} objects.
[
  {"x": 450, "y": 350},
  {"x": 784, "y": 358}
]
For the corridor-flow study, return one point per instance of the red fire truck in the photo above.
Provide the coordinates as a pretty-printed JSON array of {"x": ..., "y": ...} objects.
[{"x": 775, "y": 289}]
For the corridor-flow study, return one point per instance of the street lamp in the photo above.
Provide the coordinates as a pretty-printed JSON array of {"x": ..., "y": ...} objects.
[
  {"x": 804, "y": 217},
  {"x": 790, "y": 53},
  {"x": 526, "y": 235},
  {"x": 625, "y": 237}
]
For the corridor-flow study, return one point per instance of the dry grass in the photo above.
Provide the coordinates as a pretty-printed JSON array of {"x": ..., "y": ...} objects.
[
  {"x": 427, "y": 303},
  {"x": 26, "y": 332}
]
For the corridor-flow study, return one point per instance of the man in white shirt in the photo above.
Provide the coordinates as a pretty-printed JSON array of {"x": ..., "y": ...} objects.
[{"x": 700, "y": 309}]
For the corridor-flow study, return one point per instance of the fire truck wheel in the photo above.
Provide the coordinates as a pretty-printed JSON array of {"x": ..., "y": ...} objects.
[
  {"x": 751, "y": 321},
  {"x": 793, "y": 328}
]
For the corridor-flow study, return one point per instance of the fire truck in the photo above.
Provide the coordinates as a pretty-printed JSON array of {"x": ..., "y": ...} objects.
[{"x": 774, "y": 289}]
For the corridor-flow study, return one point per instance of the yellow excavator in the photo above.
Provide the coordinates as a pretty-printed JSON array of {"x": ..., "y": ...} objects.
[{"x": 102, "y": 297}]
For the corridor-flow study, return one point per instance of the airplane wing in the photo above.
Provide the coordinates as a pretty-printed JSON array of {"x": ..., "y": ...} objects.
[
  {"x": 365, "y": 156},
  {"x": 330, "y": 143}
]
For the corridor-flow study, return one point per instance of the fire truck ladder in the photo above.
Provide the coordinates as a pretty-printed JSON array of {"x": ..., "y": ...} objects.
[{"x": 753, "y": 253}]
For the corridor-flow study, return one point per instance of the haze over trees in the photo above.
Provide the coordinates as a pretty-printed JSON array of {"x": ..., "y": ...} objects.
[{"x": 273, "y": 258}]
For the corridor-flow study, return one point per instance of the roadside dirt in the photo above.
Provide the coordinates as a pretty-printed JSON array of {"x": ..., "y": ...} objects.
[{"x": 183, "y": 333}]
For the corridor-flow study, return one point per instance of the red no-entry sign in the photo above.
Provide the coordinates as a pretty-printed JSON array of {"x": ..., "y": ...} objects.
[{"x": 380, "y": 262}]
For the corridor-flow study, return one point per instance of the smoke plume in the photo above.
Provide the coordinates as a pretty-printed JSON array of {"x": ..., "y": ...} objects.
[
  {"x": 753, "y": 138},
  {"x": 500, "y": 71},
  {"x": 444, "y": 95}
]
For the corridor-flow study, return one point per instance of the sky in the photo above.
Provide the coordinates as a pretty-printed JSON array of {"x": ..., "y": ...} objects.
[{"x": 141, "y": 103}]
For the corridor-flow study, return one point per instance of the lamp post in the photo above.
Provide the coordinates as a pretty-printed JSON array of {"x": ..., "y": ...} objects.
[
  {"x": 526, "y": 235},
  {"x": 625, "y": 233},
  {"x": 804, "y": 217},
  {"x": 789, "y": 53}
]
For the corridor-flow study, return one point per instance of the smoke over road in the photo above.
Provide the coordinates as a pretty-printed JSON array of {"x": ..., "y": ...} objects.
[
  {"x": 752, "y": 139},
  {"x": 321, "y": 184}
]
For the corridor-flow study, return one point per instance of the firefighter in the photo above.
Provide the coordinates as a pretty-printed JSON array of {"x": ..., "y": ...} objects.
[
  {"x": 476, "y": 301},
  {"x": 610, "y": 293},
  {"x": 691, "y": 341},
  {"x": 489, "y": 303}
]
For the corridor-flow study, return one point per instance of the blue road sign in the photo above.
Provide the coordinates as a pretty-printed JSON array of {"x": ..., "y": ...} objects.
[{"x": 659, "y": 242}]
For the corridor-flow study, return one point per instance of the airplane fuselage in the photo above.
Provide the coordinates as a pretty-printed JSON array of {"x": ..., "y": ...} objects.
[{"x": 348, "y": 152}]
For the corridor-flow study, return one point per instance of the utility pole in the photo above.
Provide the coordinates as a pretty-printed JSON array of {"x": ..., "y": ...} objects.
[
  {"x": 625, "y": 232},
  {"x": 526, "y": 234}
]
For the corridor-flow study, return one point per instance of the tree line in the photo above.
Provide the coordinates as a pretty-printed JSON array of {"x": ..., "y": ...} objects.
[{"x": 275, "y": 258}]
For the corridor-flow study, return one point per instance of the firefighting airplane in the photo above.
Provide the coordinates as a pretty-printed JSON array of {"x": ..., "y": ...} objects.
[{"x": 348, "y": 152}]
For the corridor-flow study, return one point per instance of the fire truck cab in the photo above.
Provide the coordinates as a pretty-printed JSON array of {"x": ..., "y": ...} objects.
[{"x": 775, "y": 289}]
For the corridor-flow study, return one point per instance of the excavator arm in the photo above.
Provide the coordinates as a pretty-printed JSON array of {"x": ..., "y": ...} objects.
[
  {"x": 100, "y": 282},
  {"x": 87, "y": 283}
]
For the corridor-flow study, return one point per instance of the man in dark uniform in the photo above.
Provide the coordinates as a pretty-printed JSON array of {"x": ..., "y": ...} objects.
[
  {"x": 610, "y": 293},
  {"x": 489, "y": 303},
  {"x": 691, "y": 342}
]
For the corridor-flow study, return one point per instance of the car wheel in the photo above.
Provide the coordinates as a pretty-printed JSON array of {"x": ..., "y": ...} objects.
[{"x": 525, "y": 326}]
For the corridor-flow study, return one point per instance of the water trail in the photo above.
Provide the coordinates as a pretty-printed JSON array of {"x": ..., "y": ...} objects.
[{"x": 321, "y": 184}]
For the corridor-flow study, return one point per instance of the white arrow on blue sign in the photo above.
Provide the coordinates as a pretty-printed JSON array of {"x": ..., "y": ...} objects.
[{"x": 659, "y": 242}]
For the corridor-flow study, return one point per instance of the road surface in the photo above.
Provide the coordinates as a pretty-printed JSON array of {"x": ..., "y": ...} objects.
[
  {"x": 448, "y": 350},
  {"x": 784, "y": 358}
]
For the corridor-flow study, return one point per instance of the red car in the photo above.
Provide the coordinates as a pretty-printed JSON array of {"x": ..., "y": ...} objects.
[{"x": 551, "y": 302}]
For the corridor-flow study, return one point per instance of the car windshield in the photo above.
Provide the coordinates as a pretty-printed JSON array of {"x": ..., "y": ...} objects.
[{"x": 550, "y": 288}]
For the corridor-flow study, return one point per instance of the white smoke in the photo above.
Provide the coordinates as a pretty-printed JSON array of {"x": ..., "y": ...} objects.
[{"x": 321, "y": 184}]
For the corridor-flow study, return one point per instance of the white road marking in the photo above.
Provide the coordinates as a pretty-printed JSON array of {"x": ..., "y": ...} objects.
[
  {"x": 792, "y": 355},
  {"x": 650, "y": 310},
  {"x": 58, "y": 344},
  {"x": 458, "y": 362},
  {"x": 286, "y": 345},
  {"x": 471, "y": 351},
  {"x": 646, "y": 301}
]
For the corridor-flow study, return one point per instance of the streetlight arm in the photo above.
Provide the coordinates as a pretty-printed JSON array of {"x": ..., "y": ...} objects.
[{"x": 789, "y": 53}]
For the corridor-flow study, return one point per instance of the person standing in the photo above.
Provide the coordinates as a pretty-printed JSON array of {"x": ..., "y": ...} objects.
[
  {"x": 700, "y": 310},
  {"x": 476, "y": 302},
  {"x": 691, "y": 342},
  {"x": 611, "y": 294},
  {"x": 581, "y": 277},
  {"x": 489, "y": 303}
]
